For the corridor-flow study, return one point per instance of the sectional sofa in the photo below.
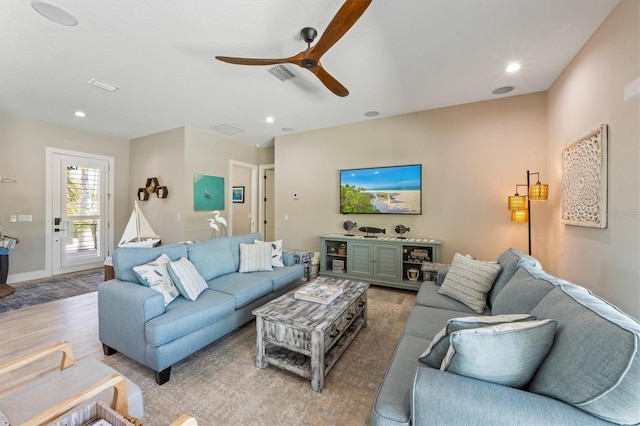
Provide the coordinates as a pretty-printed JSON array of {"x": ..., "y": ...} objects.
[
  {"x": 218, "y": 284},
  {"x": 542, "y": 351}
]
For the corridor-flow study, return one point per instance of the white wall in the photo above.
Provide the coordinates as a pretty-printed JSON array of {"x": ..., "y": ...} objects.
[
  {"x": 588, "y": 93},
  {"x": 472, "y": 157}
]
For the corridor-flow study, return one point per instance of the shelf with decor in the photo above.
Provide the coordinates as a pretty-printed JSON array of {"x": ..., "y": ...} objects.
[{"x": 386, "y": 261}]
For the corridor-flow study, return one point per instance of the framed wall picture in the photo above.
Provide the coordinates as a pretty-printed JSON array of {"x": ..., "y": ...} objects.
[
  {"x": 237, "y": 194},
  {"x": 584, "y": 180},
  {"x": 208, "y": 192}
]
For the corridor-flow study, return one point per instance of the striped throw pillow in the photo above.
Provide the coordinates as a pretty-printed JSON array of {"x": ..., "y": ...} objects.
[
  {"x": 469, "y": 280},
  {"x": 187, "y": 279},
  {"x": 255, "y": 257}
]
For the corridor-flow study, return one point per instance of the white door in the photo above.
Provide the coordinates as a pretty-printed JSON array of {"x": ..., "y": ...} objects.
[{"x": 80, "y": 212}]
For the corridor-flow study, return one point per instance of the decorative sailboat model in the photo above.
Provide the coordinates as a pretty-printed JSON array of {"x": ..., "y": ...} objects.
[{"x": 138, "y": 232}]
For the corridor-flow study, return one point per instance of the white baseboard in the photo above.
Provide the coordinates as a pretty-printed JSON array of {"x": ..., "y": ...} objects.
[{"x": 27, "y": 276}]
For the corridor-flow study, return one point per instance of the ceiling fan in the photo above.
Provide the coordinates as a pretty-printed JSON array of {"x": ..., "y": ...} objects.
[{"x": 309, "y": 59}]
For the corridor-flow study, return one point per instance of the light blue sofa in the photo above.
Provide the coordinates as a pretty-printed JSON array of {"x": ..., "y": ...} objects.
[
  {"x": 590, "y": 376},
  {"x": 134, "y": 321}
]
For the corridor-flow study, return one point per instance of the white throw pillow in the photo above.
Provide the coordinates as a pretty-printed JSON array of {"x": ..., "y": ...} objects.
[
  {"x": 469, "y": 280},
  {"x": 276, "y": 252},
  {"x": 187, "y": 278},
  {"x": 439, "y": 346},
  {"x": 155, "y": 275},
  {"x": 508, "y": 354},
  {"x": 255, "y": 257}
]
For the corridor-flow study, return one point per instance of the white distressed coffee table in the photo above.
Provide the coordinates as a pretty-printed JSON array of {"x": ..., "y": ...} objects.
[{"x": 307, "y": 338}]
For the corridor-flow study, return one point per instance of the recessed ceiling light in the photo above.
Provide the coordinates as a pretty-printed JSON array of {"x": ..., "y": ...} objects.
[
  {"x": 269, "y": 119},
  {"x": 502, "y": 90},
  {"x": 80, "y": 114},
  {"x": 513, "y": 67},
  {"x": 371, "y": 113},
  {"x": 54, "y": 13},
  {"x": 102, "y": 85}
]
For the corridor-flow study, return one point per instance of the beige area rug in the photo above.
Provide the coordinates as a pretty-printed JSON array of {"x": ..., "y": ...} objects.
[{"x": 220, "y": 384}]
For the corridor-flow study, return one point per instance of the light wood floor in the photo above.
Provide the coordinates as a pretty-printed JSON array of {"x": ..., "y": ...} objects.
[{"x": 26, "y": 330}]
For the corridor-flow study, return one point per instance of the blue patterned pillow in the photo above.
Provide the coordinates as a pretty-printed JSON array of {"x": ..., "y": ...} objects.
[
  {"x": 155, "y": 275},
  {"x": 187, "y": 278},
  {"x": 507, "y": 354}
]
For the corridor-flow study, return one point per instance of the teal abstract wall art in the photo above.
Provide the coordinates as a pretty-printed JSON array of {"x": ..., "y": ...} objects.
[{"x": 208, "y": 192}]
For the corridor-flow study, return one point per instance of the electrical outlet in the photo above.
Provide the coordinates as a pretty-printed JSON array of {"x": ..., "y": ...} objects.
[{"x": 13, "y": 218}]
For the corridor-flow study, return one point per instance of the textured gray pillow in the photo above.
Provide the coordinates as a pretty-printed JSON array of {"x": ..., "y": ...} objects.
[
  {"x": 469, "y": 280},
  {"x": 594, "y": 363},
  {"x": 436, "y": 351},
  {"x": 524, "y": 291},
  {"x": 507, "y": 354}
]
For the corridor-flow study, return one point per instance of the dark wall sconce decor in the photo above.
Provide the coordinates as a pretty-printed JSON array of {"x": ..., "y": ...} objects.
[
  {"x": 162, "y": 192},
  {"x": 143, "y": 195},
  {"x": 152, "y": 186}
]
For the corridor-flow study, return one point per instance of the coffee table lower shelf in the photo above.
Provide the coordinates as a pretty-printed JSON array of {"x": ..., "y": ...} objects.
[{"x": 300, "y": 363}]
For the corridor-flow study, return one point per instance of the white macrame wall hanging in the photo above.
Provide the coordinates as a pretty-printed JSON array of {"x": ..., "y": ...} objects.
[{"x": 584, "y": 180}]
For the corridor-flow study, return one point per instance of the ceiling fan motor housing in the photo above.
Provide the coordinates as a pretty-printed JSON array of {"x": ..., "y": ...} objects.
[{"x": 308, "y": 34}]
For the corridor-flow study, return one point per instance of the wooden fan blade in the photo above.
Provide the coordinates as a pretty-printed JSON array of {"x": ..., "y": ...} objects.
[
  {"x": 347, "y": 15},
  {"x": 329, "y": 81},
  {"x": 251, "y": 61}
]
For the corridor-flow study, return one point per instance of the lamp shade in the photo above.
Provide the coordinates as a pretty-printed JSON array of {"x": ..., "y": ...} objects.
[
  {"x": 520, "y": 216},
  {"x": 517, "y": 202},
  {"x": 539, "y": 192}
]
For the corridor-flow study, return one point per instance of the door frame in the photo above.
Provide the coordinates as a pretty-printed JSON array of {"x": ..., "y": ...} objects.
[
  {"x": 48, "y": 227},
  {"x": 262, "y": 190},
  {"x": 254, "y": 193}
]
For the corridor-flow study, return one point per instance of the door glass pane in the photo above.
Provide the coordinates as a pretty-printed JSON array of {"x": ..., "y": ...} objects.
[{"x": 83, "y": 212}]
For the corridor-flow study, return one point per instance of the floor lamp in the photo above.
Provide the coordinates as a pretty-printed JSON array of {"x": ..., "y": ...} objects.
[{"x": 520, "y": 205}]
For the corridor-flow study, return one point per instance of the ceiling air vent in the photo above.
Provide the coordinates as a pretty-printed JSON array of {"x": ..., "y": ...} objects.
[
  {"x": 227, "y": 129},
  {"x": 281, "y": 72}
]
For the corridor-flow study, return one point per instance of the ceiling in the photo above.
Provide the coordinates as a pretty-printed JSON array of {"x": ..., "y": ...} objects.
[{"x": 402, "y": 56}]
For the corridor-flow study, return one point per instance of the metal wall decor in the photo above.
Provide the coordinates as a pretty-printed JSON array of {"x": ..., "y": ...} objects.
[{"x": 584, "y": 180}]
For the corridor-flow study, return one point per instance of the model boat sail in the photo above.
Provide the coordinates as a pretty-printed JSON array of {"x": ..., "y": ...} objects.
[{"x": 138, "y": 232}]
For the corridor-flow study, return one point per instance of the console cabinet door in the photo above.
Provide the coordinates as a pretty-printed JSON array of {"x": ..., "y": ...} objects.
[
  {"x": 360, "y": 259},
  {"x": 387, "y": 262}
]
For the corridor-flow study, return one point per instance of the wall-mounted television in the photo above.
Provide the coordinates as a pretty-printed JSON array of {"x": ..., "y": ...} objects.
[{"x": 381, "y": 190}]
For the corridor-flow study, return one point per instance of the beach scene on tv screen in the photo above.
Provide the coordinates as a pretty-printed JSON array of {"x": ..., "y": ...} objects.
[{"x": 394, "y": 190}]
